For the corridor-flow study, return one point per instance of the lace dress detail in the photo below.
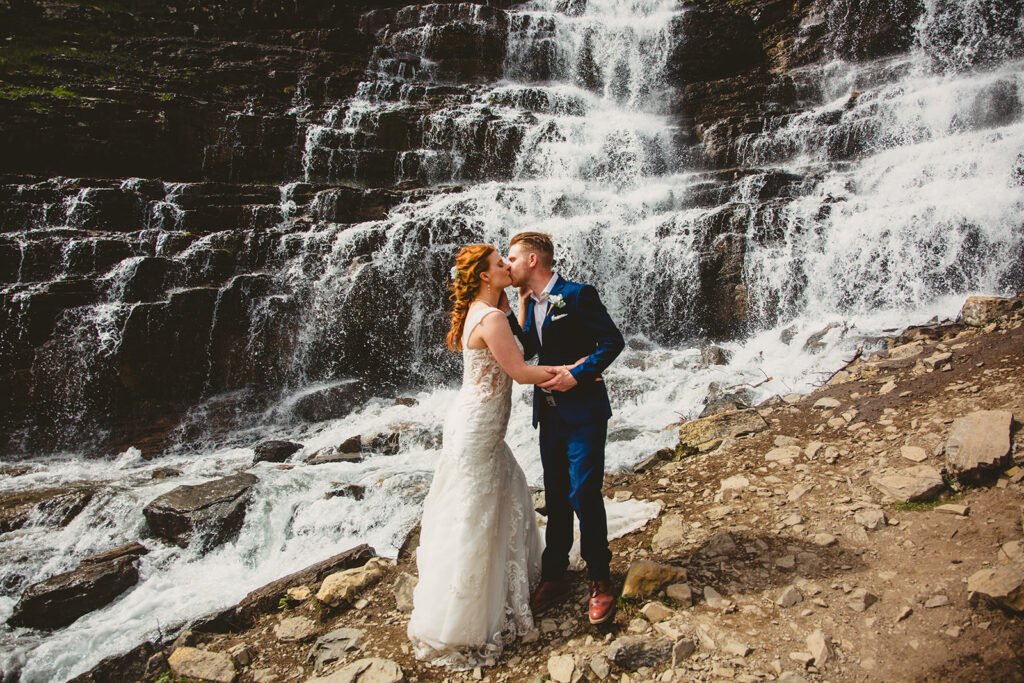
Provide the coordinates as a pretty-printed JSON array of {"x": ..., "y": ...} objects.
[{"x": 480, "y": 548}]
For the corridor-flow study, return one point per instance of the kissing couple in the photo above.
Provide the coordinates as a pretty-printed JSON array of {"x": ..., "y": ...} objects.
[{"x": 480, "y": 551}]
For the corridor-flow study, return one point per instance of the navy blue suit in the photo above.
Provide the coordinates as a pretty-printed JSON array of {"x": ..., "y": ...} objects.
[{"x": 573, "y": 430}]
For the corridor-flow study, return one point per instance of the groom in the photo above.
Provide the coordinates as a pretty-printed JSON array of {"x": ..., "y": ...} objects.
[{"x": 563, "y": 323}]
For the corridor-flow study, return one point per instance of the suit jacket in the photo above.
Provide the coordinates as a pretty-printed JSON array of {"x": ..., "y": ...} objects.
[{"x": 580, "y": 328}]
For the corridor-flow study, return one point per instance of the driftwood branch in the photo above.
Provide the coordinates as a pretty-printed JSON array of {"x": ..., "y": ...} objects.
[
  {"x": 860, "y": 350},
  {"x": 752, "y": 386}
]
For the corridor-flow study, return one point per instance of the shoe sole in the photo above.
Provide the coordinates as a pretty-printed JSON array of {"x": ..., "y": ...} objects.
[{"x": 611, "y": 613}]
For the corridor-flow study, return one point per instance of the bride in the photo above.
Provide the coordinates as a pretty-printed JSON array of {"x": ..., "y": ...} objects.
[{"x": 480, "y": 548}]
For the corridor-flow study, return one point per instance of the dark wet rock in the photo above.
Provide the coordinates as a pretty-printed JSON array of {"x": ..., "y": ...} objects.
[
  {"x": 150, "y": 278},
  {"x": 60, "y": 600},
  {"x": 274, "y": 451},
  {"x": 724, "y": 403},
  {"x": 128, "y": 666},
  {"x": 212, "y": 512},
  {"x": 355, "y": 491},
  {"x": 265, "y": 599},
  {"x": 353, "y": 444},
  {"x": 714, "y": 355},
  {"x": 332, "y": 402},
  {"x": 866, "y": 29},
  {"x": 407, "y": 401},
  {"x": 332, "y": 454},
  {"x": 134, "y": 549},
  {"x": 652, "y": 460},
  {"x": 385, "y": 443},
  {"x": 166, "y": 472},
  {"x": 815, "y": 342},
  {"x": 106, "y": 209},
  {"x": 624, "y": 433},
  {"x": 718, "y": 43},
  {"x": 998, "y": 104},
  {"x": 52, "y": 507}
]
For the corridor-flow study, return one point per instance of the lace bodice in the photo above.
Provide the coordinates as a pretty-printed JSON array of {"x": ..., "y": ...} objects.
[{"x": 482, "y": 376}]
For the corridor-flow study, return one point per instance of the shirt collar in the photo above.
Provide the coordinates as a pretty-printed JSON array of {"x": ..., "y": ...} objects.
[{"x": 547, "y": 288}]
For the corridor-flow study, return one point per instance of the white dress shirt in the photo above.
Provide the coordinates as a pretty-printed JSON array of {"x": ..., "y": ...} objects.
[{"x": 541, "y": 304}]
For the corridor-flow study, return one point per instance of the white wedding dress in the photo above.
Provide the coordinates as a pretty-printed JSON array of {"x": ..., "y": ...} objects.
[{"x": 480, "y": 547}]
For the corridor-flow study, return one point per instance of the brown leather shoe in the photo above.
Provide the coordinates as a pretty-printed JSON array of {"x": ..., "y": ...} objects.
[
  {"x": 547, "y": 594},
  {"x": 602, "y": 602}
]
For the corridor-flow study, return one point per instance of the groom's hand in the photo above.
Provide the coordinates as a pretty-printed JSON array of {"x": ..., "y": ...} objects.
[
  {"x": 503, "y": 304},
  {"x": 562, "y": 381}
]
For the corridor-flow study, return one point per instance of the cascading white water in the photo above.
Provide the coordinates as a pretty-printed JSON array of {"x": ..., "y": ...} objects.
[{"x": 911, "y": 188}]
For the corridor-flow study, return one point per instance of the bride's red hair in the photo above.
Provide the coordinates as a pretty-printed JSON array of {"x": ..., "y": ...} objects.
[{"x": 470, "y": 262}]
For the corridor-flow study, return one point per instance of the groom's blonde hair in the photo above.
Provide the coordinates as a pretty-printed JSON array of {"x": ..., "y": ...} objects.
[{"x": 538, "y": 243}]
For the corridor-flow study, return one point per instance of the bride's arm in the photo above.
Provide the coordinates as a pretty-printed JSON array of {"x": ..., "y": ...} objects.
[{"x": 497, "y": 335}]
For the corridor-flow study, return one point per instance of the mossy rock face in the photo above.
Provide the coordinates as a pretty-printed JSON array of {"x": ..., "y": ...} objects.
[{"x": 722, "y": 426}]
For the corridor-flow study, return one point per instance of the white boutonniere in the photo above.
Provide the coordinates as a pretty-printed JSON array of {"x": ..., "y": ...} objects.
[{"x": 556, "y": 301}]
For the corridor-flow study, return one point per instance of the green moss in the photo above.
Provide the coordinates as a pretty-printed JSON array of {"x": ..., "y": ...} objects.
[
  {"x": 9, "y": 92},
  {"x": 921, "y": 506},
  {"x": 166, "y": 96}
]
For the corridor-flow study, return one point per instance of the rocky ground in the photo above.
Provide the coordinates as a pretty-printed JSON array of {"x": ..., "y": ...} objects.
[{"x": 871, "y": 530}]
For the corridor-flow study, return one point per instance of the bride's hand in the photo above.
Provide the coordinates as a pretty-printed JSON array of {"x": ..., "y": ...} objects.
[{"x": 579, "y": 361}]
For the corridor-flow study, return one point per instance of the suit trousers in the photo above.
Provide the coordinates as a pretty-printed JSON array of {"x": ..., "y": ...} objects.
[{"x": 573, "y": 459}]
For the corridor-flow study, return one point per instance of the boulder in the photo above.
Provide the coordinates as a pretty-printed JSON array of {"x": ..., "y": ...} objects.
[
  {"x": 820, "y": 646},
  {"x": 211, "y": 512},
  {"x": 789, "y": 597},
  {"x": 330, "y": 402},
  {"x": 1003, "y": 586},
  {"x": 61, "y": 599},
  {"x": 265, "y": 599},
  {"x": 722, "y": 426},
  {"x": 670, "y": 534},
  {"x": 332, "y": 454},
  {"x": 721, "y": 543},
  {"x": 404, "y": 586},
  {"x": 346, "y": 585},
  {"x": 561, "y": 668},
  {"x": 646, "y": 578},
  {"x": 681, "y": 594},
  {"x": 714, "y": 355},
  {"x": 369, "y": 670},
  {"x": 870, "y": 519},
  {"x": 912, "y": 484},
  {"x": 56, "y": 506},
  {"x": 295, "y": 629},
  {"x": 125, "y": 550},
  {"x": 191, "y": 662},
  {"x": 718, "y": 403},
  {"x": 733, "y": 487},
  {"x": 633, "y": 652},
  {"x": 979, "y": 311},
  {"x": 979, "y": 443},
  {"x": 274, "y": 451},
  {"x": 354, "y": 491},
  {"x": 332, "y": 646}
]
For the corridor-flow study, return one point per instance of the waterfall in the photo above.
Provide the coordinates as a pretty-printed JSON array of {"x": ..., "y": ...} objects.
[{"x": 885, "y": 191}]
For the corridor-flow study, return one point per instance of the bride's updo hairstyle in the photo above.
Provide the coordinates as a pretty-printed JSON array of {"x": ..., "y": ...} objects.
[{"x": 470, "y": 262}]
